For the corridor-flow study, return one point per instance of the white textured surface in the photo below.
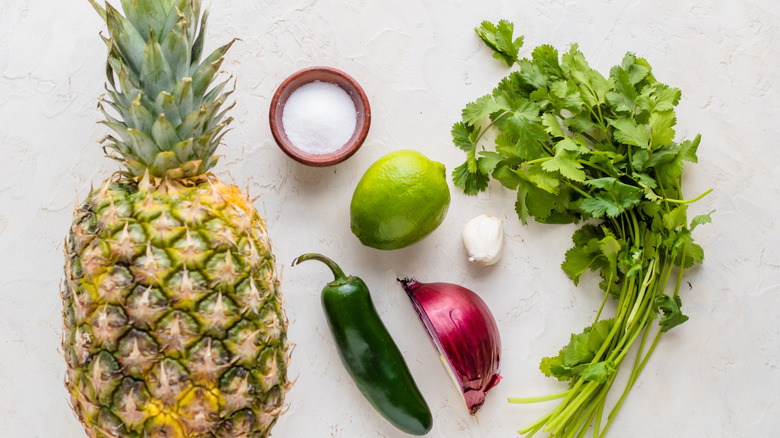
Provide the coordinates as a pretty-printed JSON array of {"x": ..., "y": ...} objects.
[{"x": 419, "y": 62}]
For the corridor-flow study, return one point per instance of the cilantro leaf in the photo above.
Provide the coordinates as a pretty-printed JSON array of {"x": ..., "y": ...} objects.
[
  {"x": 541, "y": 97},
  {"x": 623, "y": 99},
  {"x": 600, "y": 206},
  {"x": 685, "y": 246},
  {"x": 532, "y": 75},
  {"x": 630, "y": 263},
  {"x": 462, "y": 136},
  {"x": 658, "y": 97},
  {"x": 676, "y": 218},
  {"x": 688, "y": 149},
  {"x": 579, "y": 259},
  {"x": 546, "y": 57},
  {"x": 575, "y": 358},
  {"x": 568, "y": 95},
  {"x": 614, "y": 198},
  {"x": 471, "y": 160},
  {"x": 511, "y": 90},
  {"x": 471, "y": 183},
  {"x": 507, "y": 176},
  {"x": 540, "y": 203},
  {"x": 610, "y": 248},
  {"x": 521, "y": 207},
  {"x": 599, "y": 371},
  {"x": 523, "y": 137},
  {"x": 499, "y": 38},
  {"x": 582, "y": 255},
  {"x": 671, "y": 308},
  {"x": 579, "y": 123},
  {"x": 661, "y": 124},
  {"x": 607, "y": 161},
  {"x": 553, "y": 367},
  {"x": 636, "y": 71},
  {"x": 572, "y": 145},
  {"x": 566, "y": 162},
  {"x": 551, "y": 125},
  {"x": 639, "y": 160},
  {"x": 480, "y": 109},
  {"x": 701, "y": 219},
  {"x": 592, "y": 85},
  {"x": 666, "y": 98},
  {"x": 627, "y": 131},
  {"x": 543, "y": 179},
  {"x": 487, "y": 161},
  {"x": 592, "y": 250}
]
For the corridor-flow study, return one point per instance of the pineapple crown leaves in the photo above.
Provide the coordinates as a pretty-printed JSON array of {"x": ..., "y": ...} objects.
[{"x": 168, "y": 113}]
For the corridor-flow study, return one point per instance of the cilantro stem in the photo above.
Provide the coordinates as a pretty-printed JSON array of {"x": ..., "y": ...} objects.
[
  {"x": 686, "y": 201},
  {"x": 488, "y": 126},
  {"x": 575, "y": 188},
  {"x": 606, "y": 294},
  {"x": 601, "y": 115},
  {"x": 532, "y": 162},
  {"x": 630, "y": 384},
  {"x": 642, "y": 289},
  {"x": 637, "y": 233},
  {"x": 536, "y": 426},
  {"x": 560, "y": 420},
  {"x": 531, "y": 433},
  {"x": 644, "y": 360},
  {"x": 666, "y": 275},
  {"x": 680, "y": 272},
  {"x": 640, "y": 360},
  {"x": 589, "y": 137},
  {"x": 540, "y": 398},
  {"x": 619, "y": 225},
  {"x": 586, "y": 417},
  {"x": 554, "y": 414},
  {"x": 630, "y": 335},
  {"x": 633, "y": 336},
  {"x": 600, "y": 410},
  {"x": 593, "y": 166}
]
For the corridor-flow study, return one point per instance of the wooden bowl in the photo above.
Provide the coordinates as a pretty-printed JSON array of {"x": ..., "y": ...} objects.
[{"x": 323, "y": 74}]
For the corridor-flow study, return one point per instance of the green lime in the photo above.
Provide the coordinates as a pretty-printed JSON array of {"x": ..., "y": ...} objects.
[{"x": 400, "y": 199}]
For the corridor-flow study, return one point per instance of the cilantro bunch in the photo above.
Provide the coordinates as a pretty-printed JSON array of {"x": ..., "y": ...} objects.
[{"x": 577, "y": 145}]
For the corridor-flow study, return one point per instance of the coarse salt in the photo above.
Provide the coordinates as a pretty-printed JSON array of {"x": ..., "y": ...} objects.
[{"x": 319, "y": 117}]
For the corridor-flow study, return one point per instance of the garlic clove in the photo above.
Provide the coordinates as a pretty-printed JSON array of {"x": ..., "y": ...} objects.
[{"x": 483, "y": 237}]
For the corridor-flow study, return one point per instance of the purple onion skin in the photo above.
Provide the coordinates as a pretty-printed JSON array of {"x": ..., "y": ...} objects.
[{"x": 464, "y": 330}]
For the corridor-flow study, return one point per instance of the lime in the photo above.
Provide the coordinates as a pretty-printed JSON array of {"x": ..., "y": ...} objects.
[{"x": 400, "y": 199}]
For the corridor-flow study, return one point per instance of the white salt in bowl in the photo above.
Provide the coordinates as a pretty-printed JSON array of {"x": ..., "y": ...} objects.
[{"x": 331, "y": 76}]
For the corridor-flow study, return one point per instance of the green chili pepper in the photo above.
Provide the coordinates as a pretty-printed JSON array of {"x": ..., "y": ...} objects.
[{"x": 369, "y": 353}]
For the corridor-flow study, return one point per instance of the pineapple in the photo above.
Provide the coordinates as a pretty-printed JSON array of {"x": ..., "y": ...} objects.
[{"x": 173, "y": 321}]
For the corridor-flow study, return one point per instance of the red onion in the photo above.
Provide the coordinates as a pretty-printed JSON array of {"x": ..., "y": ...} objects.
[{"x": 464, "y": 332}]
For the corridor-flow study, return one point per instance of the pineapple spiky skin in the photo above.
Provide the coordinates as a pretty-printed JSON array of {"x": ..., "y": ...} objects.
[
  {"x": 173, "y": 321},
  {"x": 173, "y": 316}
]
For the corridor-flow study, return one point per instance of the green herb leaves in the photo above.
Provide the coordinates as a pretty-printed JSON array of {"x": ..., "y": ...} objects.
[
  {"x": 578, "y": 145},
  {"x": 579, "y": 126},
  {"x": 612, "y": 198},
  {"x": 499, "y": 38},
  {"x": 673, "y": 315},
  {"x": 575, "y": 359}
]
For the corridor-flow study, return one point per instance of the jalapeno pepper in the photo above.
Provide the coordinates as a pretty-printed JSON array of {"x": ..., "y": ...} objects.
[{"x": 368, "y": 352}]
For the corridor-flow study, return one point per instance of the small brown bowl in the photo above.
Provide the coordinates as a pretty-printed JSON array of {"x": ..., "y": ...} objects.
[{"x": 333, "y": 76}]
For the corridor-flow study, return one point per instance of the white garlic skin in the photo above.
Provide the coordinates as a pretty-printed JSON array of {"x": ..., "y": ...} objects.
[{"x": 483, "y": 238}]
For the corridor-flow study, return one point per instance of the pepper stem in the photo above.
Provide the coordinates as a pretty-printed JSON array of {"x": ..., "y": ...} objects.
[{"x": 338, "y": 274}]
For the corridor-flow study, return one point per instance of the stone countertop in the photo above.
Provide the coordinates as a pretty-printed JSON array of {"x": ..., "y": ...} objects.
[{"x": 420, "y": 63}]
